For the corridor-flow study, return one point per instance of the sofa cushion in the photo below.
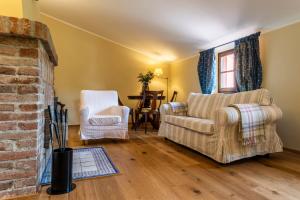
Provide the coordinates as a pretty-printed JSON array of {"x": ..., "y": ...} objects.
[
  {"x": 261, "y": 96},
  {"x": 104, "y": 120},
  {"x": 202, "y": 106},
  {"x": 205, "y": 126}
]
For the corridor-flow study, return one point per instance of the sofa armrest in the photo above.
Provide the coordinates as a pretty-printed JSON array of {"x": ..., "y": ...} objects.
[
  {"x": 227, "y": 116},
  {"x": 273, "y": 113},
  {"x": 166, "y": 109},
  {"x": 231, "y": 116}
]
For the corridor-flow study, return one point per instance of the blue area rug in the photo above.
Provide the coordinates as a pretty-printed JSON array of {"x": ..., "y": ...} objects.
[{"x": 87, "y": 163}]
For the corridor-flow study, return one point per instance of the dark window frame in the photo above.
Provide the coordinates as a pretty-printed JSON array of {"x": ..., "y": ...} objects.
[{"x": 225, "y": 90}]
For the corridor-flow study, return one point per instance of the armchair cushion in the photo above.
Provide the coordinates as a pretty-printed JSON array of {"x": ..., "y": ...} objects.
[{"x": 104, "y": 120}]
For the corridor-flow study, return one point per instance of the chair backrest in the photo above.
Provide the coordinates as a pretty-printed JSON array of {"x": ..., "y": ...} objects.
[
  {"x": 120, "y": 102},
  {"x": 154, "y": 96},
  {"x": 98, "y": 100},
  {"x": 174, "y": 96}
]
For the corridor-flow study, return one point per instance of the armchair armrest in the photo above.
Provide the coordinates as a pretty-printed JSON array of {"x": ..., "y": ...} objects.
[
  {"x": 84, "y": 114},
  {"x": 123, "y": 111},
  {"x": 231, "y": 116}
]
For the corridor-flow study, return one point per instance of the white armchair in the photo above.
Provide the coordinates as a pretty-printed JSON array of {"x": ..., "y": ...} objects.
[{"x": 101, "y": 116}]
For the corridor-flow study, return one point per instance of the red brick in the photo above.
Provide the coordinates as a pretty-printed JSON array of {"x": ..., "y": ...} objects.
[
  {"x": 8, "y": 97},
  {"x": 25, "y": 143},
  {"x": 27, "y": 80},
  {"x": 7, "y": 70},
  {"x": 8, "y": 116},
  {"x": 19, "y": 42},
  {"x": 16, "y": 61},
  {"x": 25, "y": 182},
  {"x": 8, "y": 50},
  {"x": 28, "y": 97},
  {"x": 27, "y": 89},
  {"x": 6, "y": 166},
  {"x": 29, "y": 71},
  {"x": 7, "y": 79},
  {"x": 5, "y": 185},
  {"x": 17, "y": 116},
  {"x": 7, "y": 107},
  {"x": 28, "y": 126},
  {"x": 28, "y": 107},
  {"x": 8, "y": 126},
  {"x": 8, "y": 88},
  {"x": 16, "y": 174},
  {"x": 18, "y": 135},
  {"x": 18, "y": 98},
  {"x": 6, "y": 145},
  {"x": 31, "y": 53},
  {"x": 18, "y": 80},
  {"x": 28, "y": 165},
  {"x": 5, "y": 156}
]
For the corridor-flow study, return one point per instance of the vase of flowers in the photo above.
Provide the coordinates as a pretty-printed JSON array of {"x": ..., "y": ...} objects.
[{"x": 145, "y": 79}]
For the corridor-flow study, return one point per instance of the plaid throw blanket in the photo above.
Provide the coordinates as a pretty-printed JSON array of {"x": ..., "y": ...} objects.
[
  {"x": 178, "y": 107},
  {"x": 252, "y": 123}
]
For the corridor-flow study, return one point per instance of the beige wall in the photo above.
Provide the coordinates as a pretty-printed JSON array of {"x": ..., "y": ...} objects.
[
  {"x": 184, "y": 77},
  {"x": 89, "y": 62},
  {"x": 11, "y": 8},
  {"x": 20, "y": 8},
  {"x": 281, "y": 66},
  {"x": 31, "y": 10},
  {"x": 281, "y": 62}
]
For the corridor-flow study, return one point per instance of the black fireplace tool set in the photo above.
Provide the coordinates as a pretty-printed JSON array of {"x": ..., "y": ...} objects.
[{"x": 62, "y": 157}]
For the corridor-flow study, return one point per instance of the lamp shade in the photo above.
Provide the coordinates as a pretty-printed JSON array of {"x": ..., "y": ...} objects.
[{"x": 158, "y": 72}]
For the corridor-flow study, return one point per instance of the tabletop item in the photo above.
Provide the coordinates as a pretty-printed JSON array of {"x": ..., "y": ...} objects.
[{"x": 145, "y": 79}]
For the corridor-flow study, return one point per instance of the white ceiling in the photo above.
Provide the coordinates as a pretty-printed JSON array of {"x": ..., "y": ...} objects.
[{"x": 173, "y": 29}]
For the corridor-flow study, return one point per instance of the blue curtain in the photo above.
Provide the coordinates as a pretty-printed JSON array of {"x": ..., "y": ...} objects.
[
  {"x": 248, "y": 64},
  {"x": 207, "y": 71}
]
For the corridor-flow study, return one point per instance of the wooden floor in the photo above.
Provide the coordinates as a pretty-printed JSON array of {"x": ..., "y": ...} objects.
[{"x": 153, "y": 168}]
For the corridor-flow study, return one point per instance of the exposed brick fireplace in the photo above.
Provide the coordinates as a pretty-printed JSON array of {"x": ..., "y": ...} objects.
[{"x": 27, "y": 60}]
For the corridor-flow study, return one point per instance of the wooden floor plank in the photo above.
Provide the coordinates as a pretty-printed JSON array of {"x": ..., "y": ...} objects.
[{"x": 152, "y": 168}]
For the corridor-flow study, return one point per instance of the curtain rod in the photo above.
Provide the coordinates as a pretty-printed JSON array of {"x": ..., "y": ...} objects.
[{"x": 229, "y": 42}]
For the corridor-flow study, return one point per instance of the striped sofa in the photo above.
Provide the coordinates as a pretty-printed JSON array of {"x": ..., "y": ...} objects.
[{"x": 210, "y": 127}]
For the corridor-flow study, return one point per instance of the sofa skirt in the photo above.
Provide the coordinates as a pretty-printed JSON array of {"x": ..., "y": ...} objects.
[{"x": 223, "y": 146}]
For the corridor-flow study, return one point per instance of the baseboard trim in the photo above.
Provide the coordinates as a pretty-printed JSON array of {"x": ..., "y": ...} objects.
[{"x": 291, "y": 150}]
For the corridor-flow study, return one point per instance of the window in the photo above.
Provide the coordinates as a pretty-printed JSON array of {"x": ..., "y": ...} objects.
[{"x": 226, "y": 71}]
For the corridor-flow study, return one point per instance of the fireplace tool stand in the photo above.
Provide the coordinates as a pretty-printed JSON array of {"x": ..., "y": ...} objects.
[{"x": 62, "y": 157}]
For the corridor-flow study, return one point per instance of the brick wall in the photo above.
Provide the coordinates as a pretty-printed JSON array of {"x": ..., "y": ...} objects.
[{"x": 26, "y": 88}]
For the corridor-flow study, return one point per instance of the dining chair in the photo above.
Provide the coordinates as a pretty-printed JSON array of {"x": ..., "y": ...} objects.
[
  {"x": 174, "y": 96},
  {"x": 145, "y": 111}
]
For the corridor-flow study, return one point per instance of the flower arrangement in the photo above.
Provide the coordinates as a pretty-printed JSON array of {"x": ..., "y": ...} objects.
[{"x": 145, "y": 78}]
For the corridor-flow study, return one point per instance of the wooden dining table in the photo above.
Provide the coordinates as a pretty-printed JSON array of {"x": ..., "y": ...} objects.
[
  {"x": 154, "y": 123},
  {"x": 139, "y": 97}
]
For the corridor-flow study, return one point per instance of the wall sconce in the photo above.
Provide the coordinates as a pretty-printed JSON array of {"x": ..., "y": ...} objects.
[{"x": 158, "y": 72}]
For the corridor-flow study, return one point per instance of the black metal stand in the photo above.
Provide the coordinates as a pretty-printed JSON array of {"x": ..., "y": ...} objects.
[{"x": 61, "y": 177}]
